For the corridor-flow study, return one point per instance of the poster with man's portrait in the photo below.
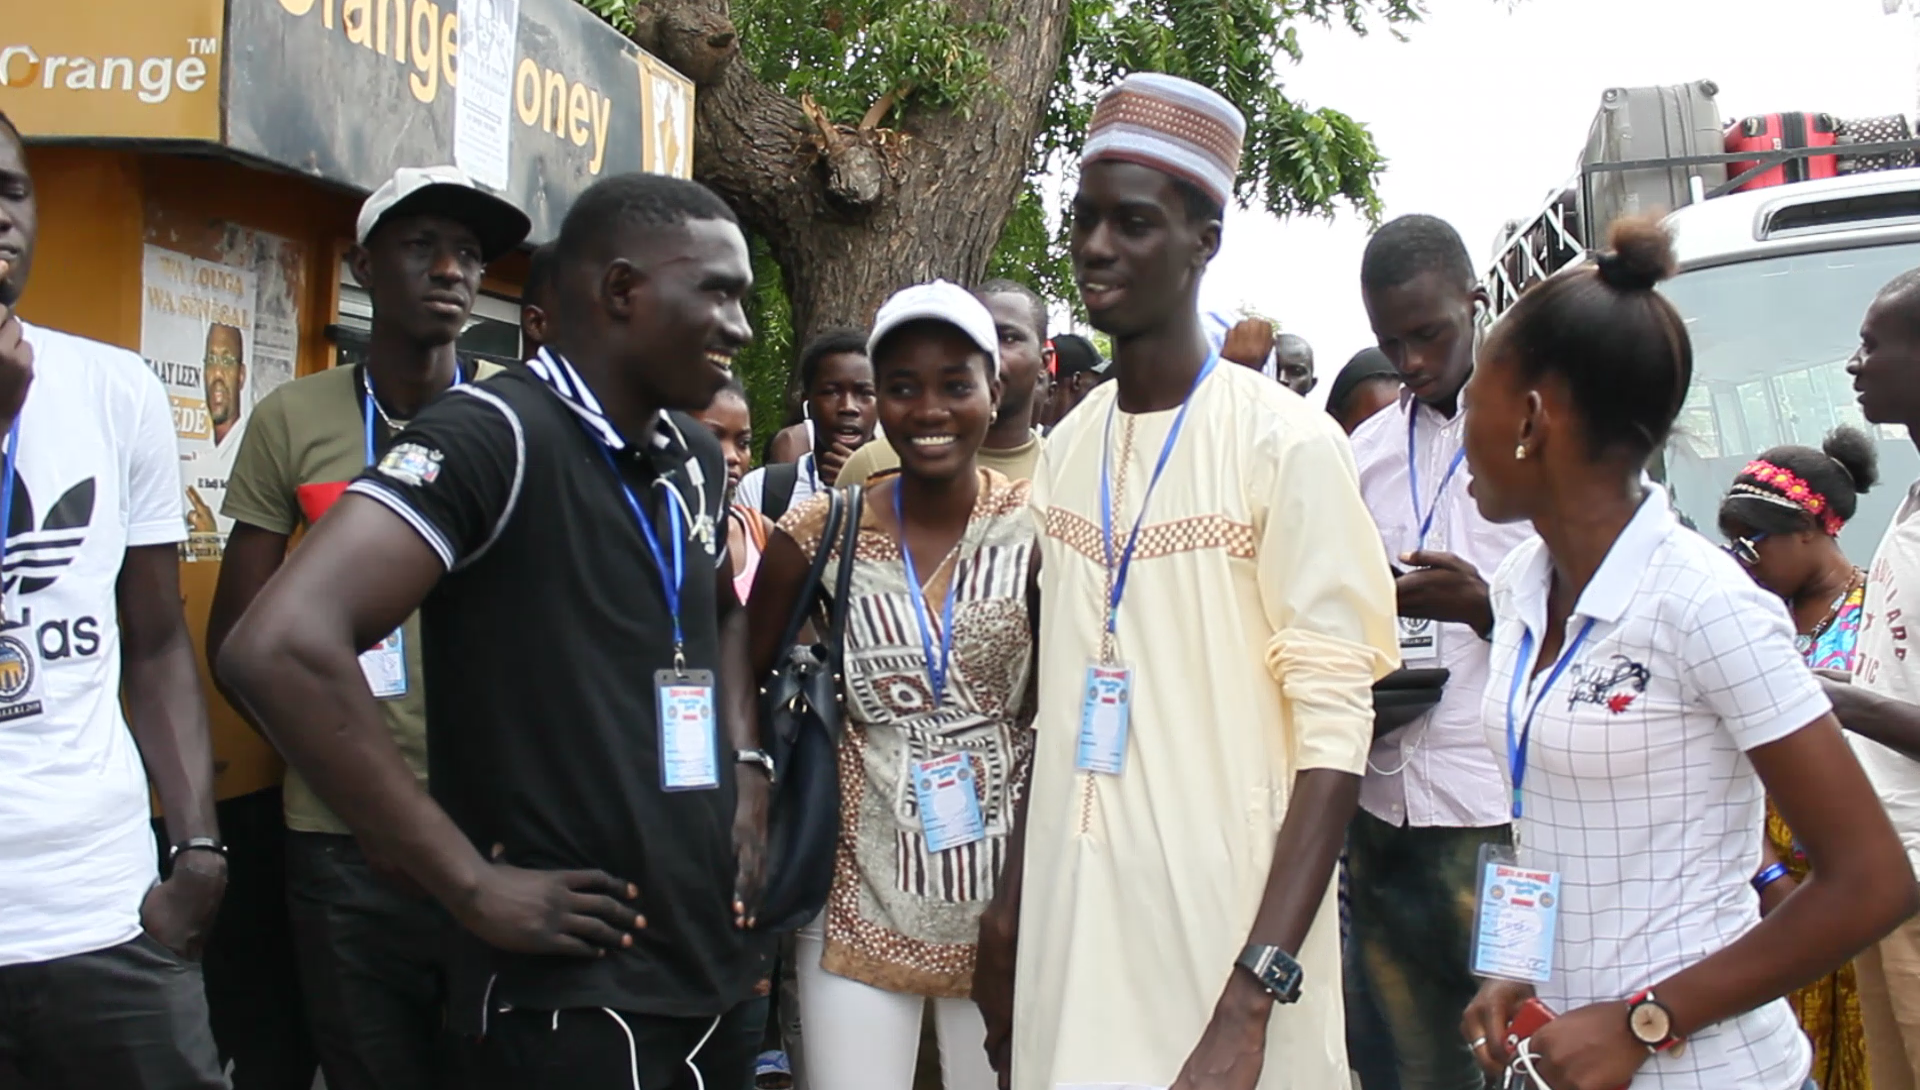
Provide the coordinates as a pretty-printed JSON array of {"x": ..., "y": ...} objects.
[
  {"x": 220, "y": 326},
  {"x": 197, "y": 334}
]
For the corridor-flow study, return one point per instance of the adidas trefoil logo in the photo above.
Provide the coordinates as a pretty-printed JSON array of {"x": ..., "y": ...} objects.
[{"x": 38, "y": 552}]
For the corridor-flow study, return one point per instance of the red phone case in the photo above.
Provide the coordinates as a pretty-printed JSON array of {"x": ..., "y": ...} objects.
[{"x": 1527, "y": 1021}]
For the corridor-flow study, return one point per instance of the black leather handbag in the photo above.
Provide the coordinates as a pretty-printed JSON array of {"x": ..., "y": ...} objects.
[
  {"x": 1406, "y": 695},
  {"x": 801, "y": 711}
]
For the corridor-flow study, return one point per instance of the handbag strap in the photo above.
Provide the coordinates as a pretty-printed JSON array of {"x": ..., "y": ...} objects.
[
  {"x": 843, "y": 583},
  {"x": 803, "y": 604}
]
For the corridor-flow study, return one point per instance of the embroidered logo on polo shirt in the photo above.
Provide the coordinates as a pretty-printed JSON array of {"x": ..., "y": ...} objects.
[
  {"x": 411, "y": 463},
  {"x": 1614, "y": 684}
]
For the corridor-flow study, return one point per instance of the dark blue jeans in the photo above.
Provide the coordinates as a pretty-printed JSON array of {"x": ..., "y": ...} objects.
[{"x": 1413, "y": 902}]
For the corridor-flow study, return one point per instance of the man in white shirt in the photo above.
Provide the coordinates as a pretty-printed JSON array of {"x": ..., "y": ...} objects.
[
  {"x": 1885, "y": 368},
  {"x": 1433, "y": 792},
  {"x": 99, "y": 982}
]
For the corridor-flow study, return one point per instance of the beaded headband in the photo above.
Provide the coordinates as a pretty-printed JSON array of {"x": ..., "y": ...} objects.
[{"x": 1786, "y": 489}]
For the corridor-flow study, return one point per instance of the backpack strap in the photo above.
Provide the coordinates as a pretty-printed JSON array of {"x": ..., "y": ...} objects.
[{"x": 777, "y": 490}]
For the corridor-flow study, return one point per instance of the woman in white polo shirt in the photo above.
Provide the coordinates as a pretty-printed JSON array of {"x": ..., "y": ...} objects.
[{"x": 1647, "y": 696}]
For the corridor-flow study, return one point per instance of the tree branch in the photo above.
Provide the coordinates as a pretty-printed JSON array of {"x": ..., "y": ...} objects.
[{"x": 883, "y": 106}]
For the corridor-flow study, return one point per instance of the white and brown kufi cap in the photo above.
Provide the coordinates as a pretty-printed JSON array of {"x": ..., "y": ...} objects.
[{"x": 1172, "y": 125}]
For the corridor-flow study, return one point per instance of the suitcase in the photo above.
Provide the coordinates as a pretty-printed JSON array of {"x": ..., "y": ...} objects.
[
  {"x": 1638, "y": 123},
  {"x": 1874, "y": 130},
  {"x": 1775, "y": 132}
]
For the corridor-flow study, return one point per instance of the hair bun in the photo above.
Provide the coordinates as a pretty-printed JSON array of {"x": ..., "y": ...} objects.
[
  {"x": 1639, "y": 254},
  {"x": 1853, "y": 449}
]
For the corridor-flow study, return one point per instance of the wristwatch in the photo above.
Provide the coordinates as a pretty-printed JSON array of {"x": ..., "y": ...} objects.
[
  {"x": 755, "y": 757},
  {"x": 1651, "y": 1023},
  {"x": 1274, "y": 969}
]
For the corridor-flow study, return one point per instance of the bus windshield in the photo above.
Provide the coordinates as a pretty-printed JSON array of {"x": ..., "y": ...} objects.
[{"x": 1771, "y": 341}]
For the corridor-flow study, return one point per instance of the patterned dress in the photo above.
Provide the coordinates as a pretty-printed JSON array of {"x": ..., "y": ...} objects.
[
  {"x": 900, "y": 917},
  {"x": 1829, "y": 1008}
]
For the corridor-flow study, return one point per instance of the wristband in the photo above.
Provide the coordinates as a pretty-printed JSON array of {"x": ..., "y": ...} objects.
[
  {"x": 1768, "y": 875},
  {"x": 197, "y": 844}
]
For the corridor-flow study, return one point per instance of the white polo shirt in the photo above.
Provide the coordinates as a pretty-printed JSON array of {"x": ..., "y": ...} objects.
[
  {"x": 1637, "y": 787},
  {"x": 1436, "y": 770}
]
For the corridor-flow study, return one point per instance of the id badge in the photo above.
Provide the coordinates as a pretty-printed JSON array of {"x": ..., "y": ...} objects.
[
  {"x": 689, "y": 744},
  {"x": 1104, "y": 718},
  {"x": 1419, "y": 641},
  {"x": 385, "y": 666},
  {"x": 19, "y": 676},
  {"x": 949, "y": 804},
  {"x": 1514, "y": 922}
]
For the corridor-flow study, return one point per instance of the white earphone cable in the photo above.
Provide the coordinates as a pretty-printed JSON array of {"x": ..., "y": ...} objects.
[{"x": 1523, "y": 1057}]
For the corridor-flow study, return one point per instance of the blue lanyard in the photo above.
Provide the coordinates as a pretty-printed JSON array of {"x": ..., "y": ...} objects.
[
  {"x": 6, "y": 500},
  {"x": 671, "y": 579},
  {"x": 1118, "y": 572},
  {"x": 1413, "y": 476},
  {"x": 367, "y": 409},
  {"x": 936, "y": 668},
  {"x": 1523, "y": 666}
]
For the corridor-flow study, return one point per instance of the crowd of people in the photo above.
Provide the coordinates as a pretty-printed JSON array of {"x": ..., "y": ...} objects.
[{"x": 1189, "y": 736}]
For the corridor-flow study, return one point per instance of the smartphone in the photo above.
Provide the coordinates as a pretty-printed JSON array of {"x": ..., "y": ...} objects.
[{"x": 1527, "y": 1021}]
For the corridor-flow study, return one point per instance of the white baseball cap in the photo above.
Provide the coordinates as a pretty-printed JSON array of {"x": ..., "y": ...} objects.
[
  {"x": 938, "y": 301},
  {"x": 446, "y": 191}
]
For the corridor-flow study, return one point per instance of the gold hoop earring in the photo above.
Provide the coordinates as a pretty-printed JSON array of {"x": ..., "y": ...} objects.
[{"x": 1520, "y": 453}]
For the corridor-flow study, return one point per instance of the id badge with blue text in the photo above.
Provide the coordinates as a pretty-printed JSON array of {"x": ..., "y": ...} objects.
[
  {"x": 1106, "y": 714},
  {"x": 689, "y": 740},
  {"x": 1516, "y": 918},
  {"x": 946, "y": 790},
  {"x": 385, "y": 666}
]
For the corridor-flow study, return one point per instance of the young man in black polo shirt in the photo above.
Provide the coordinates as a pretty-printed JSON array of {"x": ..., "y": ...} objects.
[{"x": 561, "y": 530}]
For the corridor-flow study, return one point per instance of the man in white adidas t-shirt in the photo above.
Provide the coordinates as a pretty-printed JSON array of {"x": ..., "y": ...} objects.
[{"x": 98, "y": 982}]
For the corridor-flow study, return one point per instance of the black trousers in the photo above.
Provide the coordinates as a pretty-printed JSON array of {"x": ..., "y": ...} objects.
[
  {"x": 253, "y": 983},
  {"x": 593, "y": 1049},
  {"x": 373, "y": 970},
  {"x": 130, "y": 1017}
]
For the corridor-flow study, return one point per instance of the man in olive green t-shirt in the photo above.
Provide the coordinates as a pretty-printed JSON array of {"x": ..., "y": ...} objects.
[
  {"x": 1011, "y": 446},
  {"x": 371, "y": 953}
]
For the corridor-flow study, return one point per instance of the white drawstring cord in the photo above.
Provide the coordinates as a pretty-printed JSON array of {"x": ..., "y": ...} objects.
[
  {"x": 633, "y": 1051},
  {"x": 699, "y": 1083}
]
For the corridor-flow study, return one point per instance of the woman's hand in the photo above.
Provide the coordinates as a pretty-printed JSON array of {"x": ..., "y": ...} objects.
[
  {"x": 1484, "y": 1025},
  {"x": 1588, "y": 1049}
]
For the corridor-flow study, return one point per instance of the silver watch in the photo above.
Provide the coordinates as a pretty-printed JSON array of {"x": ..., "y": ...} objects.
[{"x": 755, "y": 757}]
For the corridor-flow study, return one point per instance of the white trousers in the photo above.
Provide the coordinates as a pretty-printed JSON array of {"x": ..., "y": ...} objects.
[{"x": 859, "y": 1037}]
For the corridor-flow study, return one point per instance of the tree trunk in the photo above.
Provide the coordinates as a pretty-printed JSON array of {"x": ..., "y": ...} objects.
[{"x": 852, "y": 214}]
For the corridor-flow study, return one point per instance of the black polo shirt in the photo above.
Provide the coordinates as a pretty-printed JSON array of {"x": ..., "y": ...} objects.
[{"x": 540, "y": 646}]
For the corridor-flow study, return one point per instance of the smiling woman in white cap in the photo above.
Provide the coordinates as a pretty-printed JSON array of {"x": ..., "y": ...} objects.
[{"x": 938, "y": 656}]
